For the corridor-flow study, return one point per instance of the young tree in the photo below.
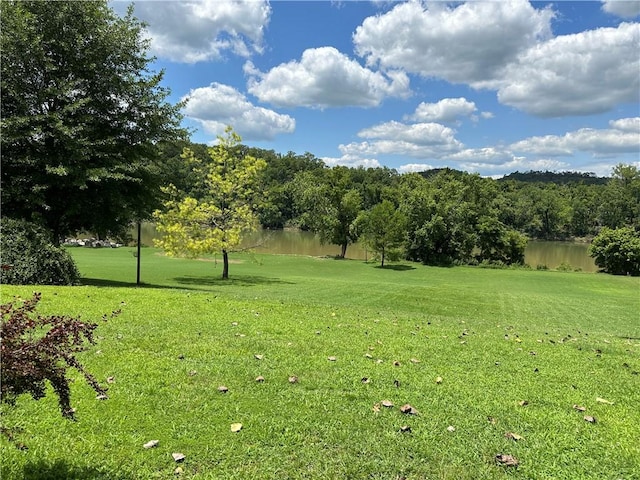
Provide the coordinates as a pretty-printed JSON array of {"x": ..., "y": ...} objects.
[
  {"x": 81, "y": 116},
  {"x": 382, "y": 229},
  {"x": 218, "y": 221}
]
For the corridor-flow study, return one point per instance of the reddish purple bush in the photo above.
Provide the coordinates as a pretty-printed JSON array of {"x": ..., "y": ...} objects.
[{"x": 38, "y": 348}]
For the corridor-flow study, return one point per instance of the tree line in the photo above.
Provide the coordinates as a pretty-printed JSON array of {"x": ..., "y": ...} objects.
[{"x": 437, "y": 217}]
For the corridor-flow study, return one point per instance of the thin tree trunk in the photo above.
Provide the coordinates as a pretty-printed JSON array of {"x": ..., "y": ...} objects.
[
  {"x": 225, "y": 265},
  {"x": 343, "y": 252},
  {"x": 382, "y": 264}
]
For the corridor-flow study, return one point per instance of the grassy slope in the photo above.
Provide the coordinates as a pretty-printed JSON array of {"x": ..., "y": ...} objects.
[{"x": 496, "y": 337}]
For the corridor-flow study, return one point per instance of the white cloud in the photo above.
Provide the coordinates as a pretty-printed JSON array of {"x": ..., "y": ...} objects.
[
  {"x": 419, "y": 134},
  {"x": 446, "y": 110},
  {"x": 515, "y": 164},
  {"x": 508, "y": 46},
  {"x": 322, "y": 78},
  {"x": 414, "y": 167},
  {"x": 580, "y": 74},
  {"x": 467, "y": 43},
  {"x": 419, "y": 140},
  {"x": 622, "y": 8},
  {"x": 217, "y": 106},
  {"x": 626, "y": 124},
  {"x": 485, "y": 156},
  {"x": 196, "y": 31},
  {"x": 352, "y": 161},
  {"x": 623, "y": 137}
]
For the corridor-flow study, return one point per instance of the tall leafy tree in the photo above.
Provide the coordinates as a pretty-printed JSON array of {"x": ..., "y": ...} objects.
[
  {"x": 81, "y": 114},
  {"x": 383, "y": 229},
  {"x": 620, "y": 205},
  {"x": 217, "y": 221},
  {"x": 329, "y": 204}
]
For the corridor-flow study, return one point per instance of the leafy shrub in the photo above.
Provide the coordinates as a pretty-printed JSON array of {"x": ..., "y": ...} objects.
[
  {"x": 36, "y": 349},
  {"x": 30, "y": 258},
  {"x": 565, "y": 267},
  {"x": 617, "y": 251}
]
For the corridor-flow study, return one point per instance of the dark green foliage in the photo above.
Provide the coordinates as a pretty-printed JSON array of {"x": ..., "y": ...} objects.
[
  {"x": 587, "y": 178},
  {"x": 617, "y": 251},
  {"x": 620, "y": 202},
  {"x": 443, "y": 213},
  {"x": 382, "y": 229},
  {"x": 498, "y": 243},
  {"x": 36, "y": 349},
  {"x": 81, "y": 117},
  {"x": 329, "y": 203},
  {"x": 30, "y": 258}
]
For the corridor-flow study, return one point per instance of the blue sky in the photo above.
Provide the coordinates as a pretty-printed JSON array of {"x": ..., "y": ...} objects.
[{"x": 483, "y": 86}]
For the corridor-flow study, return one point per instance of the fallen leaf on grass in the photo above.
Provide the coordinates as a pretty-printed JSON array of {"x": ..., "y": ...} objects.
[
  {"x": 293, "y": 379},
  {"x": 259, "y": 379},
  {"x": 405, "y": 429},
  {"x": 523, "y": 403},
  {"x": 414, "y": 360},
  {"x": 451, "y": 428},
  {"x": 102, "y": 396},
  {"x": 192, "y": 373},
  {"x": 579, "y": 408},
  {"x": 590, "y": 419},
  {"x": 368, "y": 355},
  {"x": 223, "y": 389},
  {"x": 513, "y": 436},
  {"x": 365, "y": 380},
  {"x": 386, "y": 403},
  {"x": 236, "y": 427},
  {"x": 439, "y": 380},
  {"x": 178, "y": 457},
  {"x": 111, "y": 380},
  {"x": 151, "y": 444},
  {"x": 396, "y": 382},
  {"x": 258, "y": 357},
  {"x": 602, "y": 400},
  {"x": 396, "y": 363},
  {"x": 408, "y": 410},
  {"x": 492, "y": 420},
  {"x": 332, "y": 359},
  {"x": 507, "y": 460},
  {"x": 178, "y": 471}
]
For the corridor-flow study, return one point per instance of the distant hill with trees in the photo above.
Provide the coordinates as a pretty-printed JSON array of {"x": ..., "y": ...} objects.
[{"x": 587, "y": 178}]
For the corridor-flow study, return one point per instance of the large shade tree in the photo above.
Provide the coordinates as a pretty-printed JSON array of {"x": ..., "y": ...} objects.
[{"x": 82, "y": 114}]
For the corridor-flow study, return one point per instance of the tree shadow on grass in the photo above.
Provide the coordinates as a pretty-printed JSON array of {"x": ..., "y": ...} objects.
[
  {"x": 240, "y": 280},
  {"x": 397, "y": 268},
  {"x": 61, "y": 470},
  {"x": 101, "y": 282},
  {"x": 190, "y": 282}
]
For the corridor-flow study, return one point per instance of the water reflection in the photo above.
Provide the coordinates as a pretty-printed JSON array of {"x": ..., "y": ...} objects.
[{"x": 295, "y": 242}]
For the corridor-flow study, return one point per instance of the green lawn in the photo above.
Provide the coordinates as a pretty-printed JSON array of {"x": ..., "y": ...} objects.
[{"x": 495, "y": 338}]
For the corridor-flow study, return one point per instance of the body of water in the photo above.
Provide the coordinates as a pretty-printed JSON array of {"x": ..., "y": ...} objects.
[{"x": 295, "y": 242}]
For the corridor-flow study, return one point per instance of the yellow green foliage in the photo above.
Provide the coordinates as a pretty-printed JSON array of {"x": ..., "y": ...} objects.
[{"x": 216, "y": 222}]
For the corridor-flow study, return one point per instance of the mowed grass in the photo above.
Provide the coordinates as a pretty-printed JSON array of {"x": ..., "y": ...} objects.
[{"x": 496, "y": 339}]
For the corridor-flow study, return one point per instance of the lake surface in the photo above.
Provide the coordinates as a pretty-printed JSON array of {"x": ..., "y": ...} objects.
[{"x": 295, "y": 242}]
